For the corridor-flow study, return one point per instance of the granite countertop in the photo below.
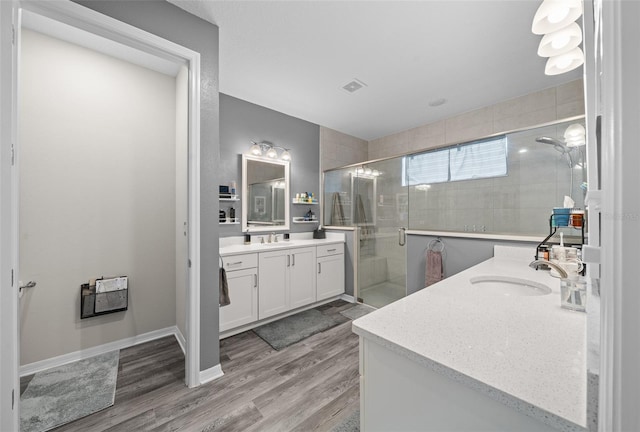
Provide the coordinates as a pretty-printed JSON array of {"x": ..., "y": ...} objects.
[
  {"x": 526, "y": 352},
  {"x": 238, "y": 247}
]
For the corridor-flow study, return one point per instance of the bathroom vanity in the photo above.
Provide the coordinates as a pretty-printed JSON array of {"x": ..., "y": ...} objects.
[
  {"x": 268, "y": 281},
  {"x": 487, "y": 349}
]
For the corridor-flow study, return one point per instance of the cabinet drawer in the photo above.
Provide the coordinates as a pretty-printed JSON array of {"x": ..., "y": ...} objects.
[
  {"x": 239, "y": 262},
  {"x": 332, "y": 249}
]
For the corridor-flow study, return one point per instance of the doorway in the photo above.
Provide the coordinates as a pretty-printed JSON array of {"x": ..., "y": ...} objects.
[
  {"x": 112, "y": 31},
  {"x": 379, "y": 211}
]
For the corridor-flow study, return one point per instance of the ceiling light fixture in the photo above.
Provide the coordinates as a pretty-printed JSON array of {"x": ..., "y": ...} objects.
[
  {"x": 437, "y": 102},
  {"x": 554, "y": 15},
  {"x": 264, "y": 148}
]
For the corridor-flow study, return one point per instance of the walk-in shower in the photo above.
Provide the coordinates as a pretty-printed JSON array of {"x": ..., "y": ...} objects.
[{"x": 505, "y": 184}]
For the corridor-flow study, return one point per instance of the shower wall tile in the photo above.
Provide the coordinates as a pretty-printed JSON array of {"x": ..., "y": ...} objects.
[
  {"x": 470, "y": 125},
  {"x": 569, "y": 92},
  {"x": 571, "y": 109},
  {"x": 532, "y": 102},
  {"x": 338, "y": 149},
  {"x": 524, "y": 120}
]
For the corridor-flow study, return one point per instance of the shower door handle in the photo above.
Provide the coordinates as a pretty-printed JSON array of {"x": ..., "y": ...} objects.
[
  {"x": 402, "y": 236},
  {"x": 29, "y": 284}
]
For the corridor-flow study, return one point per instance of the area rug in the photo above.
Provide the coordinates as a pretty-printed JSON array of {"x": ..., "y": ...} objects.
[
  {"x": 66, "y": 393},
  {"x": 349, "y": 424},
  {"x": 287, "y": 331},
  {"x": 357, "y": 311}
]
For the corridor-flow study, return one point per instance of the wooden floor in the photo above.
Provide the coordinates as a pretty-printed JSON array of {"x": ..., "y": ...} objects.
[{"x": 309, "y": 386}]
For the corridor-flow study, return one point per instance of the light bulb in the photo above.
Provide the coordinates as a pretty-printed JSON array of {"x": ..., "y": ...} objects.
[
  {"x": 286, "y": 155},
  {"x": 554, "y": 15},
  {"x": 560, "y": 41},
  {"x": 368, "y": 171},
  {"x": 255, "y": 150},
  {"x": 272, "y": 153},
  {"x": 559, "y": 13},
  {"x": 564, "y": 62}
]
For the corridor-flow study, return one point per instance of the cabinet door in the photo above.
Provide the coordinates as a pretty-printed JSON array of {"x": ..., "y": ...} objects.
[
  {"x": 302, "y": 280},
  {"x": 243, "y": 293},
  {"x": 330, "y": 276},
  {"x": 273, "y": 279}
]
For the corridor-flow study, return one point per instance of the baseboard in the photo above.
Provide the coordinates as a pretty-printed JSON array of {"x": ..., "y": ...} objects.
[
  {"x": 181, "y": 340},
  {"x": 211, "y": 374},
  {"x": 348, "y": 298},
  {"x": 41, "y": 365}
]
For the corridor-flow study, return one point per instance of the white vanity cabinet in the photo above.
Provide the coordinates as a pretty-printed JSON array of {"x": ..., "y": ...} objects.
[
  {"x": 303, "y": 278},
  {"x": 329, "y": 271},
  {"x": 242, "y": 279},
  {"x": 287, "y": 280}
]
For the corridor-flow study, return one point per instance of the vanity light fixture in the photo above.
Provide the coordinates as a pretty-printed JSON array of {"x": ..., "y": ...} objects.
[
  {"x": 264, "y": 148},
  {"x": 566, "y": 62},
  {"x": 560, "y": 41},
  {"x": 554, "y": 15},
  {"x": 555, "y": 19}
]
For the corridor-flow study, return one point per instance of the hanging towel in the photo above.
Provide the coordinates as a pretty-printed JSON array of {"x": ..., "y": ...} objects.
[
  {"x": 434, "y": 270},
  {"x": 337, "y": 214},
  {"x": 224, "y": 289}
]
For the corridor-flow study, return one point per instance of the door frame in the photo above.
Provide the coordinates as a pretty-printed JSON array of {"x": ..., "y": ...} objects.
[{"x": 86, "y": 19}]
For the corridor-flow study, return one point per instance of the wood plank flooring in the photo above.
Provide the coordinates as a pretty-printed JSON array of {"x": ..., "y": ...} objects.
[{"x": 309, "y": 386}]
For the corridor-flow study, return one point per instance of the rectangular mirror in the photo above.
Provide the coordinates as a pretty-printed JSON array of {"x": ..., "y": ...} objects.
[{"x": 265, "y": 194}]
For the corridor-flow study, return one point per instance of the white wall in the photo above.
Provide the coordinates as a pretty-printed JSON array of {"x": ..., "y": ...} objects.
[{"x": 97, "y": 161}]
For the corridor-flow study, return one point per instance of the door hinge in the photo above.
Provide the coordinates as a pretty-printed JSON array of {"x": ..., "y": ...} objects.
[
  {"x": 12, "y": 277},
  {"x": 13, "y": 155},
  {"x": 13, "y": 398},
  {"x": 189, "y": 263},
  {"x": 13, "y": 35}
]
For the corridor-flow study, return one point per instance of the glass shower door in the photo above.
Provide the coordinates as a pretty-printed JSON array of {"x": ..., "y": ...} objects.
[{"x": 379, "y": 211}]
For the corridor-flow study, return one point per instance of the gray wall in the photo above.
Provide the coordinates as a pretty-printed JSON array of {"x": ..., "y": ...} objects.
[
  {"x": 242, "y": 122},
  {"x": 174, "y": 24},
  {"x": 459, "y": 255}
]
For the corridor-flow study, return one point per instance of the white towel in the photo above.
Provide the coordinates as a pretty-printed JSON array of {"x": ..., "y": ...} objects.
[{"x": 434, "y": 272}]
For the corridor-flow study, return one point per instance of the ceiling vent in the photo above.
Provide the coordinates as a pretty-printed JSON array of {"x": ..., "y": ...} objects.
[{"x": 354, "y": 85}]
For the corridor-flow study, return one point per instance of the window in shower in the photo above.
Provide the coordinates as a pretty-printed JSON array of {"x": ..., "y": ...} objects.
[{"x": 475, "y": 160}]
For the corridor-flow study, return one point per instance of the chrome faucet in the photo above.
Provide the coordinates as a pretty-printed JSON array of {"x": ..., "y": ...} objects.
[
  {"x": 271, "y": 235},
  {"x": 562, "y": 272}
]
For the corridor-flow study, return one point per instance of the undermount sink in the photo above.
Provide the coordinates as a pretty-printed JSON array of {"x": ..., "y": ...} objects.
[{"x": 509, "y": 286}]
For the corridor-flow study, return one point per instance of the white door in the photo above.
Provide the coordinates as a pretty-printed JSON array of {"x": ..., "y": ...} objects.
[
  {"x": 330, "y": 276},
  {"x": 273, "y": 280},
  {"x": 243, "y": 292},
  {"x": 302, "y": 279},
  {"x": 9, "y": 349}
]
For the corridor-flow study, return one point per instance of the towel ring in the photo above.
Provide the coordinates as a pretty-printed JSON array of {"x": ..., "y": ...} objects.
[{"x": 436, "y": 245}]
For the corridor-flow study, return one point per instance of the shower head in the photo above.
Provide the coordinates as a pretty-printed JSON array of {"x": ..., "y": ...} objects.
[{"x": 560, "y": 146}]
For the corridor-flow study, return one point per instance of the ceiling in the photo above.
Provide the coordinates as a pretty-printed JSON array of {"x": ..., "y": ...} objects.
[{"x": 295, "y": 57}]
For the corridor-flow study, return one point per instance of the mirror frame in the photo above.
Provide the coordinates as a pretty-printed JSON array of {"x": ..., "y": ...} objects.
[{"x": 245, "y": 196}]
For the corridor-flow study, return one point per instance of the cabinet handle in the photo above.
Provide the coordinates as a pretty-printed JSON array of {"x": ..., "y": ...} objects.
[
  {"x": 331, "y": 250},
  {"x": 255, "y": 280},
  {"x": 288, "y": 260},
  {"x": 293, "y": 259},
  {"x": 235, "y": 263},
  {"x": 319, "y": 268}
]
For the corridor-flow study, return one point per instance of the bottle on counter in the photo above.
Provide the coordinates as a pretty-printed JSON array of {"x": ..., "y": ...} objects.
[{"x": 232, "y": 214}]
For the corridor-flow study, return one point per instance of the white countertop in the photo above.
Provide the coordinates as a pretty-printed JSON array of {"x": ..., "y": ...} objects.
[
  {"x": 526, "y": 352},
  {"x": 235, "y": 246}
]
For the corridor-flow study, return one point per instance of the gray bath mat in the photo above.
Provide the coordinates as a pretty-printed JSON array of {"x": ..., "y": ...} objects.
[
  {"x": 287, "y": 331},
  {"x": 357, "y": 311},
  {"x": 350, "y": 424},
  {"x": 66, "y": 393}
]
